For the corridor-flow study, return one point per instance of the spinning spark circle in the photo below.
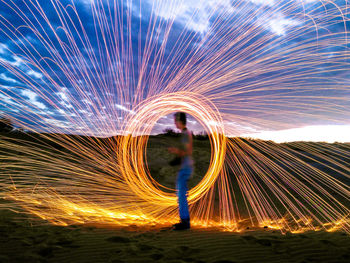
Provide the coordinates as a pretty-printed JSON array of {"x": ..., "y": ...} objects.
[{"x": 140, "y": 125}]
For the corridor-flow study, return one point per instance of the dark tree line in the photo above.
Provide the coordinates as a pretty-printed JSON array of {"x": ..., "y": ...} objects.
[
  {"x": 6, "y": 125},
  {"x": 199, "y": 136},
  {"x": 171, "y": 132}
]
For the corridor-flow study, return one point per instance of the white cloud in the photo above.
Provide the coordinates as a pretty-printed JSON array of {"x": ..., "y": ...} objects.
[
  {"x": 233, "y": 128},
  {"x": 123, "y": 108},
  {"x": 63, "y": 94},
  {"x": 194, "y": 14},
  {"x": 6, "y": 99},
  {"x": 35, "y": 74},
  {"x": 61, "y": 111},
  {"x": 32, "y": 96},
  {"x": 263, "y": 2},
  {"x": 6, "y": 87},
  {"x": 16, "y": 63},
  {"x": 58, "y": 123},
  {"x": 192, "y": 122},
  {"x": 87, "y": 101},
  {"x": 318, "y": 133},
  {"x": 3, "y": 48},
  {"x": 20, "y": 63},
  {"x": 87, "y": 3},
  {"x": 8, "y": 79},
  {"x": 280, "y": 24},
  {"x": 309, "y": 1}
]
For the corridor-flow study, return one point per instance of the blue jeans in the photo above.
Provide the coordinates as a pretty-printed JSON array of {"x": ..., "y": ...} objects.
[{"x": 181, "y": 191}]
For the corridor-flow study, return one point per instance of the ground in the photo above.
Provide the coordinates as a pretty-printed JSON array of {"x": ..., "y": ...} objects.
[
  {"x": 27, "y": 239},
  {"x": 24, "y": 240}
]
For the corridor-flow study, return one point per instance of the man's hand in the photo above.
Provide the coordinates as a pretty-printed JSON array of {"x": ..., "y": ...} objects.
[{"x": 174, "y": 150}]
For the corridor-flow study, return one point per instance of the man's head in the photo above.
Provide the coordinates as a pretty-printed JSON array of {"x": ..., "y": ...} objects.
[{"x": 180, "y": 120}]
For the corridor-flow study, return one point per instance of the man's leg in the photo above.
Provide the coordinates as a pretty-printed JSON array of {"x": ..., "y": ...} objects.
[{"x": 181, "y": 189}]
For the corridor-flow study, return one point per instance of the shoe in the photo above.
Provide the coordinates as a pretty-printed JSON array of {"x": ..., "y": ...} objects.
[{"x": 184, "y": 224}]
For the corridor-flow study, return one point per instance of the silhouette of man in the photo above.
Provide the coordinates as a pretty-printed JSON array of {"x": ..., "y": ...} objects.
[{"x": 184, "y": 152}]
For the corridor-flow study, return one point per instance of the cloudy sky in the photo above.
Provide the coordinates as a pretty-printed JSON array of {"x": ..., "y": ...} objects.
[{"x": 274, "y": 69}]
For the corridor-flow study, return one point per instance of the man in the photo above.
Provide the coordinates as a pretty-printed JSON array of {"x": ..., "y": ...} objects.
[{"x": 184, "y": 152}]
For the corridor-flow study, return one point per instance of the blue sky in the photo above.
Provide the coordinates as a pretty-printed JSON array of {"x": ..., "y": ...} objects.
[{"x": 267, "y": 65}]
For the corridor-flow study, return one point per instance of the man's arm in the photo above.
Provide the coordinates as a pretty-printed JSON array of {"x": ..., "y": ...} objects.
[{"x": 177, "y": 151}]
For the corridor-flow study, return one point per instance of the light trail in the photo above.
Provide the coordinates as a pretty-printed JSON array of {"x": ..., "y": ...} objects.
[
  {"x": 117, "y": 71},
  {"x": 134, "y": 142}
]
